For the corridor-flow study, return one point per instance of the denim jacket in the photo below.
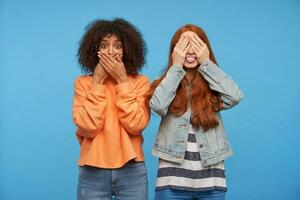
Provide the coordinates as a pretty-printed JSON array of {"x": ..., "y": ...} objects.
[{"x": 172, "y": 136}]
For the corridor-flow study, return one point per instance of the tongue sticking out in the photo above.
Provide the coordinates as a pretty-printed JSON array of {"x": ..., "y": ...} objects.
[{"x": 190, "y": 59}]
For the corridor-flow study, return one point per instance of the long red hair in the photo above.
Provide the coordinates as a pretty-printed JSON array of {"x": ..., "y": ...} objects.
[{"x": 204, "y": 102}]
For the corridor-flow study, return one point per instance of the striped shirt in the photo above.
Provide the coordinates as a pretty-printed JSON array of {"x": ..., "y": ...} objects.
[{"x": 190, "y": 175}]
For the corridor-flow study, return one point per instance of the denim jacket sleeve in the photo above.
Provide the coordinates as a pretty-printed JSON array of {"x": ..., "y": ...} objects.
[
  {"x": 222, "y": 83},
  {"x": 166, "y": 90}
]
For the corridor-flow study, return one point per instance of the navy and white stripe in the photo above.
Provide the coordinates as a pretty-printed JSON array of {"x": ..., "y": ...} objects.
[{"x": 190, "y": 175}]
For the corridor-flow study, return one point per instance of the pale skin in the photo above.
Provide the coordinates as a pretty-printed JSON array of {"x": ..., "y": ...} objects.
[
  {"x": 110, "y": 61},
  {"x": 193, "y": 46},
  {"x": 190, "y": 50}
]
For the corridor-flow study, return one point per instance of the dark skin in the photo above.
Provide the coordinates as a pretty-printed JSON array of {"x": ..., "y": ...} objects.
[
  {"x": 109, "y": 66},
  {"x": 110, "y": 62}
]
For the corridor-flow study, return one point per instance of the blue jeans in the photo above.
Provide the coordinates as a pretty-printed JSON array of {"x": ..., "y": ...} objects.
[
  {"x": 172, "y": 194},
  {"x": 126, "y": 183}
]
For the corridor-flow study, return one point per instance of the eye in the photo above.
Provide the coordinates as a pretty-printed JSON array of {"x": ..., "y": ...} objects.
[
  {"x": 103, "y": 45},
  {"x": 118, "y": 46}
]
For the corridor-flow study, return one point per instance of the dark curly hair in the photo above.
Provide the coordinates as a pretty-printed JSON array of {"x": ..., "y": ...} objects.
[{"x": 134, "y": 47}]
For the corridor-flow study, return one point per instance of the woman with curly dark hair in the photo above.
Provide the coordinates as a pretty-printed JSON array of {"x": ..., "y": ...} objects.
[
  {"x": 110, "y": 112},
  {"x": 191, "y": 141}
]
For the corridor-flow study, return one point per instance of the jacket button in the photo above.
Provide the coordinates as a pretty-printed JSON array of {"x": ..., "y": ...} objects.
[{"x": 201, "y": 145}]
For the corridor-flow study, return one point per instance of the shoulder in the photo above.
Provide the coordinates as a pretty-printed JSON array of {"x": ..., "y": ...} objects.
[
  {"x": 83, "y": 81},
  {"x": 139, "y": 80}
]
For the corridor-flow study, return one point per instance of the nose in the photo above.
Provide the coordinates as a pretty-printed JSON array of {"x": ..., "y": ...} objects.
[
  {"x": 190, "y": 51},
  {"x": 110, "y": 50}
]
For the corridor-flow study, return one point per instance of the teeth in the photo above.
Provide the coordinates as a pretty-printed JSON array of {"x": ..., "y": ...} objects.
[{"x": 190, "y": 59}]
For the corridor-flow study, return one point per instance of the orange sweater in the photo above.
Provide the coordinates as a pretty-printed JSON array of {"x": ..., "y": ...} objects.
[{"x": 110, "y": 119}]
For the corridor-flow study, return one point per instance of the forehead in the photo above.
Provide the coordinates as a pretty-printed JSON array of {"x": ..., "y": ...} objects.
[
  {"x": 188, "y": 34},
  {"x": 111, "y": 38}
]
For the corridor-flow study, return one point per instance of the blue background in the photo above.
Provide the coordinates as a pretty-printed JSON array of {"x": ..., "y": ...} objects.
[{"x": 256, "y": 42}]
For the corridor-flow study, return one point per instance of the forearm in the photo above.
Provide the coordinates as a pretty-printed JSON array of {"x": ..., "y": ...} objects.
[
  {"x": 166, "y": 90},
  {"x": 133, "y": 112},
  {"x": 89, "y": 110},
  {"x": 219, "y": 81}
]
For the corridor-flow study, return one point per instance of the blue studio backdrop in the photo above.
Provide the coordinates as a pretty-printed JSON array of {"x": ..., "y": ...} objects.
[{"x": 256, "y": 42}]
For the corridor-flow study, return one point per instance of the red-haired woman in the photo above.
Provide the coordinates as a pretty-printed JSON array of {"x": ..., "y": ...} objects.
[{"x": 191, "y": 142}]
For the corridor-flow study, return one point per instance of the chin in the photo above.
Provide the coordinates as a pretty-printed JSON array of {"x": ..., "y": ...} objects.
[{"x": 190, "y": 65}]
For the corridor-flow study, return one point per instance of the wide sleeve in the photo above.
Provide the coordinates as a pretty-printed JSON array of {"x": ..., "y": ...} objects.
[
  {"x": 219, "y": 81},
  {"x": 133, "y": 111},
  {"x": 88, "y": 108},
  {"x": 166, "y": 90}
]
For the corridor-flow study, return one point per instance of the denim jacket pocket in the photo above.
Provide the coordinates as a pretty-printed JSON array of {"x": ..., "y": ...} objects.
[
  {"x": 203, "y": 144},
  {"x": 204, "y": 150}
]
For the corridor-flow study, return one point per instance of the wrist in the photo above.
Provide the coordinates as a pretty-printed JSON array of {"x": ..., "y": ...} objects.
[
  {"x": 180, "y": 64},
  {"x": 98, "y": 79},
  {"x": 203, "y": 61},
  {"x": 123, "y": 79}
]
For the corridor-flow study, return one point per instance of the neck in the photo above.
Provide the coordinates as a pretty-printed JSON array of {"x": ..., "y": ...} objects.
[{"x": 190, "y": 73}]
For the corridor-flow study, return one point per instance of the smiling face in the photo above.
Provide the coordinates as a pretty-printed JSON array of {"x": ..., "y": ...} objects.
[
  {"x": 190, "y": 57},
  {"x": 111, "y": 45}
]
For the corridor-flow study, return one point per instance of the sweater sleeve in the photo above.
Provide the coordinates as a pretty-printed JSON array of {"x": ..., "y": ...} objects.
[
  {"x": 88, "y": 108},
  {"x": 133, "y": 112},
  {"x": 166, "y": 90},
  {"x": 222, "y": 83}
]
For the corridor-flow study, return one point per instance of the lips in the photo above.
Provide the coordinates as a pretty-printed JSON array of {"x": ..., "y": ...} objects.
[{"x": 190, "y": 59}]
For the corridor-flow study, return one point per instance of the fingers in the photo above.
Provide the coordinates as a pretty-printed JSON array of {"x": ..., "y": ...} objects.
[
  {"x": 187, "y": 48},
  {"x": 119, "y": 59},
  {"x": 112, "y": 64},
  {"x": 105, "y": 64},
  {"x": 179, "y": 42},
  {"x": 109, "y": 59},
  {"x": 198, "y": 45},
  {"x": 195, "y": 43},
  {"x": 184, "y": 43},
  {"x": 198, "y": 39},
  {"x": 112, "y": 59},
  {"x": 200, "y": 49},
  {"x": 108, "y": 62},
  {"x": 187, "y": 43},
  {"x": 196, "y": 50}
]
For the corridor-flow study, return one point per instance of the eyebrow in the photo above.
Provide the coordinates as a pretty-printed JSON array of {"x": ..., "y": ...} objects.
[{"x": 105, "y": 40}]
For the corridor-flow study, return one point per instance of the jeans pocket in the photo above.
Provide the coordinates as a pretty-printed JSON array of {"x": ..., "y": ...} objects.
[
  {"x": 86, "y": 171},
  {"x": 137, "y": 170},
  {"x": 133, "y": 164}
]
